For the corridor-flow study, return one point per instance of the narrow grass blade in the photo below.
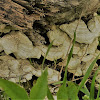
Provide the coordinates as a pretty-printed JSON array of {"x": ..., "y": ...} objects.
[
  {"x": 49, "y": 95},
  {"x": 39, "y": 90},
  {"x": 98, "y": 93},
  {"x": 30, "y": 61},
  {"x": 69, "y": 57},
  {"x": 87, "y": 73},
  {"x": 56, "y": 83},
  {"x": 93, "y": 85},
  {"x": 14, "y": 91},
  {"x": 71, "y": 51},
  {"x": 50, "y": 45}
]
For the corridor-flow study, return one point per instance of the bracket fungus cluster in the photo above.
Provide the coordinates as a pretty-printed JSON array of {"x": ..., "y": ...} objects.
[
  {"x": 21, "y": 70},
  {"x": 16, "y": 42}
]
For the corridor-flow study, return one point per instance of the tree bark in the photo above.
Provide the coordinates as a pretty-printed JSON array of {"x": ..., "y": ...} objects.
[{"x": 24, "y": 13}]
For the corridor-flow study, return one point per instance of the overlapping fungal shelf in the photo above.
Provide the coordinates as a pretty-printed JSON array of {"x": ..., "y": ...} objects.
[{"x": 18, "y": 43}]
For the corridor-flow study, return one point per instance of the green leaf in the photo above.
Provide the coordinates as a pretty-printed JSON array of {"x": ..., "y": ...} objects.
[
  {"x": 14, "y": 91},
  {"x": 68, "y": 60},
  {"x": 85, "y": 97},
  {"x": 39, "y": 90},
  {"x": 85, "y": 90},
  {"x": 72, "y": 94},
  {"x": 97, "y": 99},
  {"x": 68, "y": 93},
  {"x": 87, "y": 73},
  {"x": 93, "y": 85},
  {"x": 98, "y": 93},
  {"x": 62, "y": 93},
  {"x": 49, "y": 95}
]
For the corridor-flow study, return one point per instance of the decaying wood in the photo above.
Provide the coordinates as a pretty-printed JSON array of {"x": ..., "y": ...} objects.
[
  {"x": 69, "y": 10},
  {"x": 16, "y": 15},
  {"x": 22, "y": 13}
]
